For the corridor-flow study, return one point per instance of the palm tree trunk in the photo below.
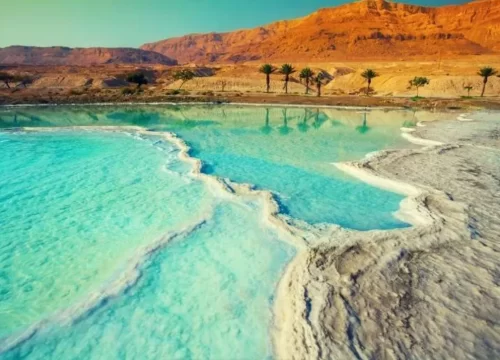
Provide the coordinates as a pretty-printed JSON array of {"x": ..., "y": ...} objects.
[
  {"x": 368, "y": 87},
  {"x": 268, "y": 82},
  {"x": 319, "y": 89},
  {"x": 484, "y": 86},
  {"x": 286, "y": 84},
  {"x": 307, "y": 86},
  {"x": 417, "y": 91}
]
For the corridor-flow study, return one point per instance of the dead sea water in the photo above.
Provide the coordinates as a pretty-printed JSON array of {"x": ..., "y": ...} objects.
[{"x": 111, "y": 248}]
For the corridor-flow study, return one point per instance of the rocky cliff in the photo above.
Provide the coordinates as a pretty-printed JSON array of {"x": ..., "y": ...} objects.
[
  {"x": 29, "y": 55},
  {"x": 367, "y": 29}
]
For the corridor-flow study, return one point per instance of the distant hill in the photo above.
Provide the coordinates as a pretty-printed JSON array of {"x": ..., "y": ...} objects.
[
  {"x": 29, "y": 55},
  {"x": 362, "y": 30}
]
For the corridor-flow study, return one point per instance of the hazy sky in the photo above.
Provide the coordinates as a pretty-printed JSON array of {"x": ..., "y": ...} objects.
[{"x": 133, "y": 22}]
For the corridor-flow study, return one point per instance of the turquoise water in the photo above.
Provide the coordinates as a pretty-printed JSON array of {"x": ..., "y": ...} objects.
[
  {"x": 111, "y": 249},
  {"x": 73, "y": 206},
  {"x": 206, "y": 296},
  {"x": 291, "y": 153}
]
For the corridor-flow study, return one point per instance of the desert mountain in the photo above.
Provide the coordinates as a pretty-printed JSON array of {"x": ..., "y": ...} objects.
[
  {"x": 362, "y": 30},
  {"x": 28, "y": 55}
]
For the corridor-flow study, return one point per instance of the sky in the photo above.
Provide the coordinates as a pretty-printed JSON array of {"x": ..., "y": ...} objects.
[{"x": 131, "y": 23}]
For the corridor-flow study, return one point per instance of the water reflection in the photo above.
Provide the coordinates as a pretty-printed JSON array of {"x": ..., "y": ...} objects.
[
  {"x": 303, "y": 126},
  {"x": 285, "y": 119},
  {"x": 266, "y": 129},
  {"x": 285, "y": 129},
  {"x": 319, "y": 119},
  {"x": 135, "y": 117},
  {"x": 364, "y": 128}
]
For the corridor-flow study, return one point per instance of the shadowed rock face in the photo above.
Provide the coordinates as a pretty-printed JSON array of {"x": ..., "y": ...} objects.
[
  {"x": 29, "y": 55},
  {"x": 369, "y": 29}
]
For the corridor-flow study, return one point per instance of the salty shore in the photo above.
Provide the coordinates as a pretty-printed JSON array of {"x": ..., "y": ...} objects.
[{"x": 430, "y": 291}]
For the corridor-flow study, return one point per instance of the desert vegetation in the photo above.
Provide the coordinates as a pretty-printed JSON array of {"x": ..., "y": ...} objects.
[
  {"x": 330, "y": 80},
  {"x": 369, "y": 75},
  {"x": 6, "y": 78},
  {"x": 23, "y": 80},
  {"x": 318, "y": 80},
  {"x": 267, "y": 69},
  {"x": 486, "y": 72},
  {"x": 468, "y": 87},
  {"x": 137, "y": 78},
  {"x": 418, "y": 82},
  {"x": 307, "y": 75},
  {"x": 184, "y": 76},
  {"x": 287, "y": 70}
]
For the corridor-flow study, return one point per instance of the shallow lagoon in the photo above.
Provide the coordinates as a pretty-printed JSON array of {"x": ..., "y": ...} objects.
[{"x": 77, "y": 207}]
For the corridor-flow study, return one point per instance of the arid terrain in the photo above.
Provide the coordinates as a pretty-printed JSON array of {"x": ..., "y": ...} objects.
[
  {"x": 343, "y": 84},
  {"x": 446, "y": 44},
  {"x": 367, "y": 29},
  {"x": 58, "y": 55}
]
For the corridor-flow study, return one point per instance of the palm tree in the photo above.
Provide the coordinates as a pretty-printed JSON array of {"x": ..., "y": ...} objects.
[
  {"x": 287, "y": 70},
  {"x": 319, "y": 82},
  {"x": 369, "y": 74},
  {"x": 267, "y": 69},
  {"x": 307, "y": 75},
  {"x": 485, "y": 73}
]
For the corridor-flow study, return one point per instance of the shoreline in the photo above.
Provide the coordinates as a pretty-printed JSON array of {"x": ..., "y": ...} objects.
[
  {"x": 381, "y": 293},
  {"x": 206, "y": 103},
  {"x": 412, "y": 209},
  {"x": 34, "y": 98}
]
